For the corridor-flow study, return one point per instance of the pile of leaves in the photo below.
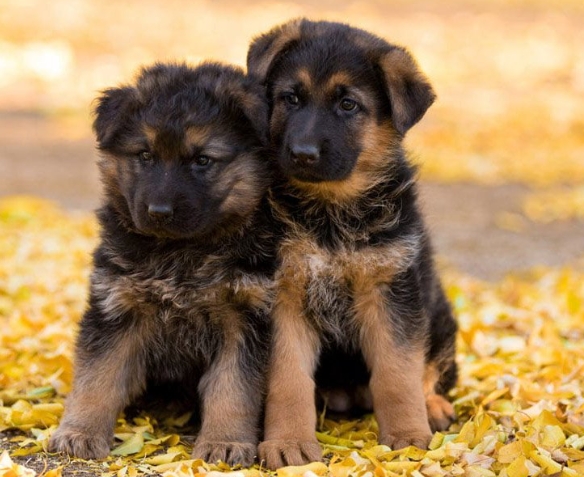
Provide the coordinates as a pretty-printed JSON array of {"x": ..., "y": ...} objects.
[{"x": 519, "y": 400}]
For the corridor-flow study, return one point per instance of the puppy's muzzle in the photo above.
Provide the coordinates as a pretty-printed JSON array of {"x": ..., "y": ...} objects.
[
  {"x": 160, "y": 212},
  {"x": 305, "y": 154}
]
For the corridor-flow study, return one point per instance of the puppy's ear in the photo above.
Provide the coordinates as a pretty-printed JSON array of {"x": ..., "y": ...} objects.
[
  {"x": 255, "y": 108},
  {"x": 410, "y": 93},
  {"x": 250, "y": 99},
  {"x": 112, "y": 106},
  {"x": 254, "y": 104},
  {"x": 264, "y": 49},
  {"x": 248, "y": 96}
]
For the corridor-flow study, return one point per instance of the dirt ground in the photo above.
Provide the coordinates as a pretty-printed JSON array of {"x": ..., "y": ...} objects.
[{"x": 37, "y": 157}]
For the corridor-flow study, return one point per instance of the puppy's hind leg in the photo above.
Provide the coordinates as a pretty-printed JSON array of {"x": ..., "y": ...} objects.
[
  {"x": 441, "y": 372},
  {"x": 440, "y": 411}
]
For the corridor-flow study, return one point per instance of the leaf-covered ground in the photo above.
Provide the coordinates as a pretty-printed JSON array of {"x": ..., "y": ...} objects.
[
  {"x": 510, "y": 81},
  {"x": 519, "y": 399}
]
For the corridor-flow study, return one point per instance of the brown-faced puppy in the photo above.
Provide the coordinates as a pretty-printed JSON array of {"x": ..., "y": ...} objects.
[
  {"x": 181, "y": 284},
  {"x": 359, "y": 304}
]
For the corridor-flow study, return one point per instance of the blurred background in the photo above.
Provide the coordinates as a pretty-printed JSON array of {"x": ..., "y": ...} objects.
[{"x": 501, "y": 153}]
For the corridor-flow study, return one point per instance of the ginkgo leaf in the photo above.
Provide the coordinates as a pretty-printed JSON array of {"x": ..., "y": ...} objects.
[
  {"x": 9, "y": 469},
  {"x": 132, "y": 445},
  {"x": 519, "y": 398},
  {"x": 316, "y": 468}
]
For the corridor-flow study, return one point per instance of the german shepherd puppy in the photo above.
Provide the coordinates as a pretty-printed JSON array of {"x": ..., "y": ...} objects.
[
  {"x": 357, "y": 289},
  {"x": 182, "y": 279}
]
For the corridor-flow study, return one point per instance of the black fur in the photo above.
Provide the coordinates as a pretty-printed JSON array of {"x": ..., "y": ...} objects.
[
  {"x": 341, "y": 101},
  {"x": 179, "y": 300}
]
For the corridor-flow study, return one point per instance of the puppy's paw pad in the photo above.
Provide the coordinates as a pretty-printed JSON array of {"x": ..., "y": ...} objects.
[
  {"x": 81, "y": 444},
  {"x": 232, "y": 453},
  {"x": 278, "y": 453},
  {"x": 440, "y": 412}
]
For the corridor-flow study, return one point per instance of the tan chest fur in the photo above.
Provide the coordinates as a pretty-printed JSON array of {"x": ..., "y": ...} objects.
[
  {"x": 305, "y": 262},
  {"x": 185, "y": 295},
  {"x": 328, "y": 287}
]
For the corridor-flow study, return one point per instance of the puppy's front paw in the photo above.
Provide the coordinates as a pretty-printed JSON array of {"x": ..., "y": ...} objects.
[
  {"x": 440, "y": 412},
  {"x": 405, "y": 439},
  {"x": 79, "y": 443},
  {"x": 278, "y": 453},
  {"x": 232, "y": 453}
]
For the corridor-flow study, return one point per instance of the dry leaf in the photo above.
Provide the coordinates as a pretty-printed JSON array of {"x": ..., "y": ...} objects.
[{"x": 519, "y": 399}]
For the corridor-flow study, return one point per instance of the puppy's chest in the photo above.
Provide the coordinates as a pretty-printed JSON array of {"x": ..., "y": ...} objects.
[
  {"x": 179, "y": 286},
  {"x": 327, "y": 281}
]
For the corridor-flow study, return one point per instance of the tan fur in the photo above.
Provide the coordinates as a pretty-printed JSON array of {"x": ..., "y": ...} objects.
[
  {"x": 377, "y": 141},
  {"x": 182, "y": 283},
  {"x": 289, "y": 414},
  {"x": 150, "y": 133},
  {"x": 197, "y": 136},
  {"x": 355, "y": 269},
  {"x": 287, "y": 33},
  {"x": 244, "y": 193},
  {"x": 440, "y": 410},
  {"x": 400, "y": 68},
  {"x": 290, "y": 419},
  {"x": 229, "y": 413},
  {"x": 363, "y": 268},
  {"x": 396, "y": 373},
  {"x": 305, "y": 79},
  {"x": 108, "y": 169},
  {"x": 337, "y": 79},
  {"x": 85, "y": 430}
]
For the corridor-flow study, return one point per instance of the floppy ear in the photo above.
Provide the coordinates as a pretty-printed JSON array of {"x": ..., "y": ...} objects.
[
  {"x": 229, "y": 83},
  {"x": 265, "y": 48},
  {"x": 111, "y": 105},
  {"x": 255, "y": 107},
  {"x": 410, "y": 93}
]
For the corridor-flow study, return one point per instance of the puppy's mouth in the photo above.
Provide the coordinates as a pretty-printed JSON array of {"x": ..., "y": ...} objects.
[
  {"x": 321, "y": 171},
  {"x": 304, "y": 175},
  {"x": 170, "y": 228},
  {"x": 166, "y": 232}
]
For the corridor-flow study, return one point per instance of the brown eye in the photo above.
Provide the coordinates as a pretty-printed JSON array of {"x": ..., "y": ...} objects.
[
  {"x": 291, "y": 99},
  {"x": 202, "y": 160},
  {"x": 348, "y": 104},
  {"x": 146, "y": 156}
]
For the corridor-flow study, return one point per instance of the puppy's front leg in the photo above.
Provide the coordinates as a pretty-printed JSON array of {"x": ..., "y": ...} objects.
[
  {"x": 290, "y": 421},
  {"x": 397, "y": 370},
  {"x": 109, "y": 372},
  {"x": 231, "y": 393}
]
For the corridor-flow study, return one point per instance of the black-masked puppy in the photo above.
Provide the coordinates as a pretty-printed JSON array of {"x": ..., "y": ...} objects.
[
  {"x": 181, "y": 284},
  {"x": 359, "y": 306}
]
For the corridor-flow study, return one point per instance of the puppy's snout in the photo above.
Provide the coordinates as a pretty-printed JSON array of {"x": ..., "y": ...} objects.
[
  {"x": 305, "y": 154},
  {"x": 160, "y": 211}
]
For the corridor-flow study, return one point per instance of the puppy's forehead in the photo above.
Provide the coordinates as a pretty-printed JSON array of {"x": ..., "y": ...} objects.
[
  {"x": 325, "y": 84},
  {"x": 318, "y": 64},
  {"x": 210, "y": 139},
  {"x": 178, "y": 142},
  {"x": 196, "y": 135}
]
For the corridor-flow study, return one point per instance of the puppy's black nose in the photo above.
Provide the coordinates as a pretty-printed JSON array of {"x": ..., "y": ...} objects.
[
  {"x": 160, "y": 211},
  {"x": 305, "y": 154}
]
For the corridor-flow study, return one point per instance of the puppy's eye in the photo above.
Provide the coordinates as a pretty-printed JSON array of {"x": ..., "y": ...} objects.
[
  {"x": 146, "y": 157},
  {"x": 202, "y": 160},
  {"x": 291, "y": 99},
  {"x": 348, "y": 104}
]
